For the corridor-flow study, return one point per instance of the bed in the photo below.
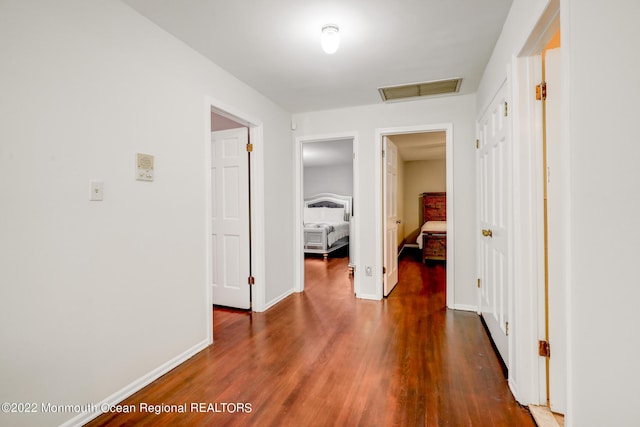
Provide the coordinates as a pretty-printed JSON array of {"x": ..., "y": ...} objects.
[
  {"x": 433, "y": 233},
  {"x": 327, "y": 221}
]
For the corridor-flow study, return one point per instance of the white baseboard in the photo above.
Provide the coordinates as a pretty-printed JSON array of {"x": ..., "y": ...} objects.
[
  {"x": 368, "y": 296},
  {"x": 465, "y": 307},
  {"x": 136, "y": 386},
  {"x": 276, "y": 300}
]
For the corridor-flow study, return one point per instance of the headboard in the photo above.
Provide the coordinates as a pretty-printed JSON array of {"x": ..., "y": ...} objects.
[
  {"x": 434, "y": 207},
  {"x": 330, "y": 200}
]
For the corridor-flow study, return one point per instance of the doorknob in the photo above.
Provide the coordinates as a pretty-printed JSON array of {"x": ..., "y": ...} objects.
[
  {"x": 398, "y": 222},
  {"x": 487, "y": 233}
]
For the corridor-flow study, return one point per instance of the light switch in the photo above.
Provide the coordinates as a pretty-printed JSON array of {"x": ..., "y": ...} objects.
[{"x": 97, "y": 191}]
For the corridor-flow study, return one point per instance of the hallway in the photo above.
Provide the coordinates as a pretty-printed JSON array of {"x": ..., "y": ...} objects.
[{"x": 324, "y": 358}]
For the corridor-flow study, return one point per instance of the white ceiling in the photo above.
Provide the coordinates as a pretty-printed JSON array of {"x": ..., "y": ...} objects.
[{"x": 274, "y": 45}]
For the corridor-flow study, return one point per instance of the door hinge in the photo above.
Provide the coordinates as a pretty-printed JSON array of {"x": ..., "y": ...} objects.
[
  {"x": 541, "y": 91},
  {"x": 544, "y": 349},
  {"x": 506, "y": 108},
  {"x": 477, "y": 144},
  {"x": 383, "y": 154},
  {"x": 384, "y": 270},
  {"x": 478, "y": 282},
  {"x": 251, "y": 280},
  {"x": 506, "y": 328},
  {"x": 250, "y": 148}
]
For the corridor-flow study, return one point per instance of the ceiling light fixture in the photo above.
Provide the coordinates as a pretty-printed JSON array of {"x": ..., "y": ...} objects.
[{"x": 330, "y": 38}]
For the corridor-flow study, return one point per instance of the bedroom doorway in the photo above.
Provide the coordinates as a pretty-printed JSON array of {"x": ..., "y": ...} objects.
[
  {"x": 325, "y": 200},
  {"x": 413, "y": 164},
  {"x": 413, "y": 161}
]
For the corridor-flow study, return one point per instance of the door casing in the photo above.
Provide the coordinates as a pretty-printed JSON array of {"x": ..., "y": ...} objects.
[{"x": 527, "y": 378}]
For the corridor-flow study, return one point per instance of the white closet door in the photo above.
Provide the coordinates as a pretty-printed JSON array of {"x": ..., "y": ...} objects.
[
  {"x": 494, "y": 203},
  {"x": 230, "y": 218}
]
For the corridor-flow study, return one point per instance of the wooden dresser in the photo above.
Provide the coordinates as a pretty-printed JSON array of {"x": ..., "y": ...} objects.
[{"x": 434, "y": 208}]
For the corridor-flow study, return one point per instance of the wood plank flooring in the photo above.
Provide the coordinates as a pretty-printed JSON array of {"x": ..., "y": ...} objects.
[{"x": 324, "y": 358}]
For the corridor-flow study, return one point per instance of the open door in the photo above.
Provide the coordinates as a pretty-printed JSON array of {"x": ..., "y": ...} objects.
[
  {"x": 494, "y": 145},
  {"x": 390, "y": 214},
  {"x": 557, "y": 195},
  {"x": 230, "y": 218}
]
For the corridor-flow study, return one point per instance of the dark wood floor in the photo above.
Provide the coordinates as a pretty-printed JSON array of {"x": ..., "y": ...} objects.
[{"x": 324, "y": 358}]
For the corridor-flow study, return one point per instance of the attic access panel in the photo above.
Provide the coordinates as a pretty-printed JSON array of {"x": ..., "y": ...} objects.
[{"x": 417, "y": 90}]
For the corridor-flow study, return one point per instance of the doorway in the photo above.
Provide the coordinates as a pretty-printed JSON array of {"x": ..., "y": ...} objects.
[
  {"x": 249, "y": 203},
  {"x": 326, "y": 186},
  {"x": 431, "y": 143},
  {"x": 414, "y": 165},
  {"x": 230, "y": 213},
  {"x": 542, "y": 215}
]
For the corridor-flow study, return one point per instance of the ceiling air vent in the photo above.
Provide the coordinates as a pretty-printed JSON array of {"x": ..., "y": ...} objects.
[{"x": 415, "y": 90}]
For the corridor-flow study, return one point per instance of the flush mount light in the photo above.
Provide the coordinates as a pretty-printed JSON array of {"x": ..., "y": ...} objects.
[{"x": 330, "y": 38}]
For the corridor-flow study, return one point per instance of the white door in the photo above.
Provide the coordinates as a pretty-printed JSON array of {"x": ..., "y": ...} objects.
[
  {"x": 557, "y": 226},
  {"x": 230, "y": 218},
  {"x": 494, "y": 203},
  {"x": 390, "y": 214}
]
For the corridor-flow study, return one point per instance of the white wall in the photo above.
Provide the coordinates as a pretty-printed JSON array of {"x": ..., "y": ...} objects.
[
  {"x": 604, "y": 294},
  {"x": 459, "y": 110},
  {"x": 95, "y": 295},
  {"x": 520, "y": 22},
  {"x": 337, "y": 179},
  {"x": 421, "y": 176}
]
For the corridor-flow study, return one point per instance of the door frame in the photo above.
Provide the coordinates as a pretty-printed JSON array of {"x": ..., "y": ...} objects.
[
  {"x": 528, "y": 378},
  {"x": 379, "y": 256},
  {"x": 298, "y": 177},
  {"x": 256, "y": 185}
]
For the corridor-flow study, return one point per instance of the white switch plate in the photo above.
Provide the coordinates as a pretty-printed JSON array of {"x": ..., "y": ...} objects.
[{"x": 97, "y": 191}]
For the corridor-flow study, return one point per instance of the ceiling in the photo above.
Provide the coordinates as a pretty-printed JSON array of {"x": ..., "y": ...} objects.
[{"x": 274, "y": 45}]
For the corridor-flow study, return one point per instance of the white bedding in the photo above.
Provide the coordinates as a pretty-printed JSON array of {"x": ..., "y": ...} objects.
[
  {"x": 340, "y": 230},
  {"x": 433, "y": 227},
  {"x": 334, "y": 222}
]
